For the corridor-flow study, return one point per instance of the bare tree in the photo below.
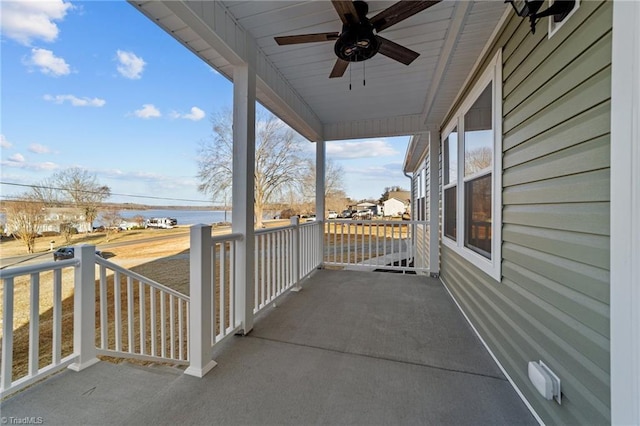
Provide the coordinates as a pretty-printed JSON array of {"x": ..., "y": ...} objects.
[
  {"x": 82, "y": 189},
  {"x": 24, "y": 219},
  {"x": 112, "y": 220},
  {"x": 278, "y": 163},
  {"x": 47, "y": 193},
  {"x": 333, "y": 179},
  {"x": 477, "y": 159}
]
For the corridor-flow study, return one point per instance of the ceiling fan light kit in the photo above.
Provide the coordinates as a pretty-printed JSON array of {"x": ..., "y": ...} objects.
[{"x": 359, "y": 39}]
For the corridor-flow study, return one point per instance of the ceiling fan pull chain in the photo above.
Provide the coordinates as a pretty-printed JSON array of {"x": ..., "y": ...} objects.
[{"x": 364, "y": 74}]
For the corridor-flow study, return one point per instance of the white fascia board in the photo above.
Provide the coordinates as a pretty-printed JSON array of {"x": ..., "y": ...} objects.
[{"x": 402, "y": 125}]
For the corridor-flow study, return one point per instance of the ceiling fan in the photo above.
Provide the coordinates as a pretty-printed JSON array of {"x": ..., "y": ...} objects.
[{"x": 358, "y": 40}]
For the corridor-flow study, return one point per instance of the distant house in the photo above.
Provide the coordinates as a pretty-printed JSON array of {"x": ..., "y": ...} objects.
[
  {"x": 58, "y": 218},
  {"x": 394, "y": 207},
  {"x": 404, "y": 196}
]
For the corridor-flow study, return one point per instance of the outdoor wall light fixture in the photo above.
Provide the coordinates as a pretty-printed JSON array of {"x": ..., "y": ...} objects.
[{"x": 529, "y": 8}]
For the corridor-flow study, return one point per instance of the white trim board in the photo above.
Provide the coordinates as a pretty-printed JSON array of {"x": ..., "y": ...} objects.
[{"x": 625, "y": 214}]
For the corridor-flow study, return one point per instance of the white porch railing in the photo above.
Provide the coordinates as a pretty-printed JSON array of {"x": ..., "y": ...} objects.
[
  {"x": 310, "y": 248},
  {"x": 139, "y": 318},
  {"x": 36, "y": 278},
  {"x": 377, "y": 244},
  {"x": 283, "y": 257}
]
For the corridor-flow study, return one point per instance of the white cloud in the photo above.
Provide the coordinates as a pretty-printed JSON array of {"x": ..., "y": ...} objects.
[
  {"x": 16, "y": 158},
  {"x": 25, "y": 165},
  {"x": 4, "y": 142},
  {"x": 48, "y": 62},
  {"x": 359, "y": 149},
  {"x": 131, "y": 66},
  {"x": 75, "y": 101},
  {"x": 196, "y": 114},
  {"x": 391, "y": 170},
  {"x": 147, "y": 111},
  {"x": 36, "y": 148},
  {"x": 24, "y": 21}
]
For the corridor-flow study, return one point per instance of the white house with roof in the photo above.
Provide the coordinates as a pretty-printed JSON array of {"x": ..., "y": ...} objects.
[{"x": 394, "y": 207}]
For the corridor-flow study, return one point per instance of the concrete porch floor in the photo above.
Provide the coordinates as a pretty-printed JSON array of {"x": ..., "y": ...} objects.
[{"x": 350, "y": 348}]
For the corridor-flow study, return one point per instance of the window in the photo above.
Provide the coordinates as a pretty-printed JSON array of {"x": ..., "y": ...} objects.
[
  {"x": 450, "y": 161},
  {"x": 472, "y": 185},
  {"x": 421, "y": 195},
  {"x": 478, "y": 159}
]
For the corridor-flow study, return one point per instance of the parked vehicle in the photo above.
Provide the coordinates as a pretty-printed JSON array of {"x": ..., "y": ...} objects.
[
  {"x": 68, "y": 253},
  {"x": 362, "y": 215},
  {"x": 332, "y": 215},
  {"x": 346, "y": 214},
  {"x": 161, "y": 222}
]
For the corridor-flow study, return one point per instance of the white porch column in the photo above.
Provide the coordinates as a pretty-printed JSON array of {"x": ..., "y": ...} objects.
[
  {"x": 202, "y": 308},
  {"x": 434, "y": 203},
  {"x": 84, "y": 308},
  {"x": 243, "y": 191},
  {"x": 320, "y": 200},
  {"x": 625, "y": 214}
]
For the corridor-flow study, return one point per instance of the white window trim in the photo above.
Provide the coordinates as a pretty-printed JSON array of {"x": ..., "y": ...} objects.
[
  {"x": 493, "y": 266},
  {"x": 553, "y": 27}
]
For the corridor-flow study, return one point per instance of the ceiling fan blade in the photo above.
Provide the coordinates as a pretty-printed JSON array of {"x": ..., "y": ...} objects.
[
  {"x": 306, "y": 38},
  {"x": 396, "y": 51},
  {"x": 339, "y": 68},
  {"x": 399, "y": 12},
  {"x": 347, "y": 11}
]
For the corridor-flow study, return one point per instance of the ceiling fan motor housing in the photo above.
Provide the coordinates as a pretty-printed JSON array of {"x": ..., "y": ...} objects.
[{"x": 357, "y": 42}]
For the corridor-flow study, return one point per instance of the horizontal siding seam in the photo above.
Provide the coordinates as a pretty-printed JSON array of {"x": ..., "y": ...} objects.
[
  {"x": 584, "y": 391},
  {"x": 582, "y": 302},
  {"x": 529, "y": 160},
  {"x": 603, "y": 74},
  {"x": 550, "y": 79}
]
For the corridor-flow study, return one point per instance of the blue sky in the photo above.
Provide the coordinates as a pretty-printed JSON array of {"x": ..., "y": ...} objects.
[{"x": 97, "y": 85}]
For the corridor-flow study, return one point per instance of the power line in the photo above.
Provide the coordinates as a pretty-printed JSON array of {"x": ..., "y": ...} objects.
[{"x": 151, "y": 197}]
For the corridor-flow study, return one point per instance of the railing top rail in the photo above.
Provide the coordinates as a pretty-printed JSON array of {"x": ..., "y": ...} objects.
[
  {"x": 380, "y": 221},
  {"x": 140, "y": 278},
  {"x": 274, "y": 229},
  {"x": 226, "y": 237},
  {"x": 313, "y": 222},
  {"x": 40, "y": 267}
]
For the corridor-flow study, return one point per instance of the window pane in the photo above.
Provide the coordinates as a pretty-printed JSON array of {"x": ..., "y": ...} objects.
[
  {"x": 478, "y": 134},
  {"x": 450, "y": 161},
  {"x": 450, "y": 203},
  {"x": 477, "y": 193}
]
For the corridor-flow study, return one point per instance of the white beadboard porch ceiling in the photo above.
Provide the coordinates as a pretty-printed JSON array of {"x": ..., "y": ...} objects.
[{"x": 293, "y": 81}]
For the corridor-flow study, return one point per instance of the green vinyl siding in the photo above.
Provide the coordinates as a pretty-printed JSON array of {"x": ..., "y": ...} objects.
[{"x": 552, "y": 303}]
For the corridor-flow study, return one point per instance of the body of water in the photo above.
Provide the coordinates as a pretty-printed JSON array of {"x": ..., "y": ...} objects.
[{"x": 184, "y": 217}]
